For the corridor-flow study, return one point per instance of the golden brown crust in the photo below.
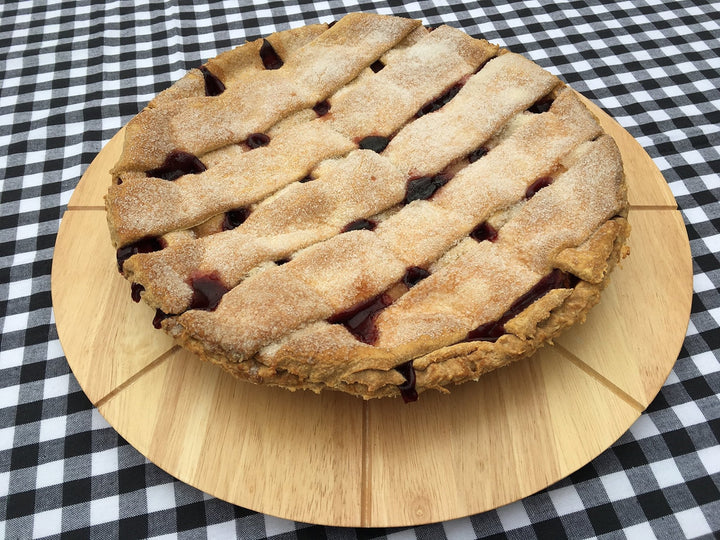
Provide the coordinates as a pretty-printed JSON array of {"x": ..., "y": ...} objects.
[
  {"x": 293, "y": 281},
  {"x": 454, "y": 364}
]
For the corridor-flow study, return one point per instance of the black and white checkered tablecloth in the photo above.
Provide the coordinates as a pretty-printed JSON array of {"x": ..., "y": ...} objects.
[{"x": 74, "y": 72}]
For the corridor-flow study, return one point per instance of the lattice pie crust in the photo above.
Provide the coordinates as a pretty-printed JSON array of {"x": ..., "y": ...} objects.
[{"x": 370, "y": 206}]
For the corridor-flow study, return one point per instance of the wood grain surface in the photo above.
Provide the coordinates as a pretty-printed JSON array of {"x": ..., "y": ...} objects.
[{"x": 337, "y": 460}]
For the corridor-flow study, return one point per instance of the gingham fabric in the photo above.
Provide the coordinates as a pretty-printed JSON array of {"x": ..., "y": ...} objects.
[{"x": 74, "y": 72}]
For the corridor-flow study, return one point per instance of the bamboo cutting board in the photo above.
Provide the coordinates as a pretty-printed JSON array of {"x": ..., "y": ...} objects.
[{"x": 334, "y": 459}]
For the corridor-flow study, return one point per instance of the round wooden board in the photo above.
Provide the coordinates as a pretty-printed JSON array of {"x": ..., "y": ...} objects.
[{"x": 336, "y": 460}]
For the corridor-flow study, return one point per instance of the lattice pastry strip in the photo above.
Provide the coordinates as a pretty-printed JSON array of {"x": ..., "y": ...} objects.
[
  {"x": 489, "y": 227},
  {"x": 337, "y": 196}
]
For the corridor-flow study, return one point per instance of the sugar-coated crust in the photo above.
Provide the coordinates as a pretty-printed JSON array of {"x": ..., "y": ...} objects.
[
  {"x": 510, "y": 149},
  {"x": 458, "y": 363}
]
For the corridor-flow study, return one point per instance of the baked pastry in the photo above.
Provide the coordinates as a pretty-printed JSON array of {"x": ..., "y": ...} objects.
[{"x": 369, "y": 206}]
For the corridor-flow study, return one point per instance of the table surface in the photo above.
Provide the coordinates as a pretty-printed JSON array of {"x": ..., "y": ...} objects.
[{"x": 72, "y": 76}]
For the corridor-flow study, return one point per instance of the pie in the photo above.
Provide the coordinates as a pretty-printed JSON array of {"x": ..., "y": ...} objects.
[{"x": 369, "y": 206}]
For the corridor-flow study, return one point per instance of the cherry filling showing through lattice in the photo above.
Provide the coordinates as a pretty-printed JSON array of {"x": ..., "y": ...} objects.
[
  {"x": 376, "y": 66},
  {"x": 483, "y": 232},
  {"x": 360, "y": 319},
  {"x": 407, "y": 389},
  {"x": 321, "y": 108},
  {"x": 144, "y": 245},
  {"x": 270, "y": 58},
  {"x": 359, "y": 225},
  {"x": 424, "y": 187},
  {"x": 160, "y": 316},
  {"x": 414, "y": 275},
  {"x": 135, "y": 290},
  {"x": 477, "y": 154},
  {"x": 537, "y": 185},
  {"x": 542, "y": 105},
  {"x": 441, "y": 101},
  {"x": 234, "y": 218},
  {"x": 213, "y": 85},
  {"x": 376, "y": 143},
  {"x": 208, "y": 290},
  {"x": 257, "y": 140},
  {"x": 177, "y": 164}
]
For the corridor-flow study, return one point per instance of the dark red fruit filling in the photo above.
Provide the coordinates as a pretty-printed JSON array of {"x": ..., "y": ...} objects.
[
  {"x": 477, "y": 154},
  {"x": 376, "y": 66},
  {"x": 557, "y": 279},
  {"x": 414, "y": 275},
  {"x": 177, "y": 164},
  {"x": 541, "y": 106},
  {"x": 270, "y": 59},
  {"x": 484, "y": 231},
  {"x": 144, "y": 245},
  {"x": 439, "y": 102},
  {"x": 407, "y": 389},
  {"x": 360, "y": 224},
  {"x": 306, "y": 179},
  {"x": 235, "y": 218},
  {"x": 488, "y": 332},
  {"x": 256, "y": 140},
  {"x": 213, "y": 85},
  {"x": 207, "y": 291},
  {"x": 135, "y": 290},
  {"x": 360, "y": 319},
  {"x": 376, "y": 143},
  {"x": 537, "y": 185},
  {"x": 280, "y": 262},
  {"x": 160, "y": 316},
  {"x": 424, "y": 187},
  {"x": 321, "y": 108}
]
